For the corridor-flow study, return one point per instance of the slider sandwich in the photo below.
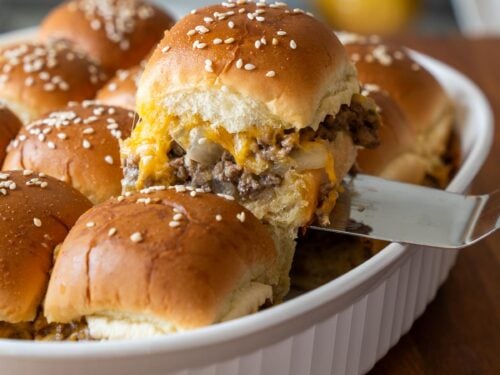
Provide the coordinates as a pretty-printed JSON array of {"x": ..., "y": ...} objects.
[
  {"x": 255, "y": 101},
  {"x": 36, "y": 213},
  {"x": 417, "y": 114},
  {"x": 159, "y": 262},
  {"x": 78, "y": 144},
  {"x": 117, "y": 33},
  {"x": 37, "y": 78},
  {"x": 9, "y": 126}
]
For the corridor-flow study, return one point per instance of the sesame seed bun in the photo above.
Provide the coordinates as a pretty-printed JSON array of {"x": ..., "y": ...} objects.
[
  {"x": 9, "y": 126},
  {"x": 78, "y": 144},
  {"x": 417, "y": 115},
  {"x": 37, "y": 78},
  {"x": 36, "y": 214},
  {"x": 117, "y": 33},
  {"x": 159, "y": 262},
  {"x": 122, "y": 89},
  {"x": 281, "y": 68}
]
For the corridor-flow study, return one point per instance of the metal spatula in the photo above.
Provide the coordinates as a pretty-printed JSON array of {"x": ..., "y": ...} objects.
[{"x": 375, "y": 208}]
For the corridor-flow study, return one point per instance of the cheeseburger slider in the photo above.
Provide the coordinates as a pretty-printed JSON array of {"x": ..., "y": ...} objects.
[
  {"x": 78, "y": 144},
  {"x": 255, "y": 101},
  {"x": 160, "y": 262},
  {"x": 416, "y": 112},
  {"x": 117, "y": 33},
  {"x": 37, "y": 78},
  {"x": 9, "y": 126},
  {"x": 122, "y": 89},
  {"x": 36, "y": 213}
]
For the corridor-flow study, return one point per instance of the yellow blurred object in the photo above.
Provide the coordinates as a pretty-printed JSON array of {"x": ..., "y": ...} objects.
[{"x": 369, "y": 16}]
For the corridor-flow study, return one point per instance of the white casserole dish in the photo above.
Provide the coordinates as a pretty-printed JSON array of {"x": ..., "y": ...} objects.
[{"x": 343, "y": 327}]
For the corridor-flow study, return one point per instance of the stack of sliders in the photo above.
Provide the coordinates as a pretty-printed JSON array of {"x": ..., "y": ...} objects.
[
  {"x": 256, "y": 102},
  {"x": 250, "y": 116},
  {"x": 416, "y": 146}
]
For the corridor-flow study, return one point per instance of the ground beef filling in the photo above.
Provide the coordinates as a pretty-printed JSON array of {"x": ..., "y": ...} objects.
[
  {"x": 361, "y": 123},
  {"x": 41, "y": 330},
  {"x": 226, "y": 177}
]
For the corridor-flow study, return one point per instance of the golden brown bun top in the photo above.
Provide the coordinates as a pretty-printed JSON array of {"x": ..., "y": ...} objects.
[
  {"x": 391, "y": 70},
  {"x": 284, "y": 62},
  {"x": 122, "y": 89},
  {"x": 78, "y": 144},
  {"x": 117, "y": 33},
  {"x": 37, "y": 78},
  {"x": 9, "y": 126},
  {"x": 160, "y": 255},
  {"x": 415, "y": 110},
  {"x": 36, "y": 214}
]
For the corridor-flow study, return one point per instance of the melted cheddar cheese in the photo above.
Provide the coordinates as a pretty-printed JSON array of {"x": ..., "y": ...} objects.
[{"x": 152, "y": 139}]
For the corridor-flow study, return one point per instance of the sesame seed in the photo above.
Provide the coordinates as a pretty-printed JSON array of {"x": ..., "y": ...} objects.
[
  {"x": 258, "y": 43},
  {"x": 191, "y": 32},
  {"x": 293, "y": 45},
  {"x": 202, "y": 29},
  {"x": 44, "y": 184},
  {"x": 281, "y": 33},
  {"x": 208, "y": 19},
  {"x": 249, "y": 67},
  {"x": 90, "y": 224},
  {"x": 109, "y": 159},
  {"x": 51, "y": 145},
  {"x": 193, "y": 194},
  {"x": 217, "y": 41},
  {"x": 218, "y": 217},
  {"x": 271, "y": 74},
  {"x": 201, "y": 45},
  {"x": 239, "y": 64},
  {"x": 27, "y": 172},
  {"x": 136, "y": 237},
  {"x": 229, "y": 40},
  {"x": 37, "y": 222},
  {"x": 86, "y": 144},
  {"x": 88, "y": 131},
  {"x": 241, "y": 216},
  {"x": 230, "y": 24},
  {"x": 165, "y": 49},
  {"x": 226, "y": 197},
  {"x": 209, "y": 66},
  {"x": 62, "y": 136},
  {"x": 260, "y": 18},
  {"x": 174, "y": 224},
  {"x": 275, "y": 42},
  {"x": 178, "y": 217},
  {"x": 112, "y": 232}
]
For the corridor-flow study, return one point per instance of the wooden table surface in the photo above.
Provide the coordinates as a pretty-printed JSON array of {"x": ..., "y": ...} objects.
[{"x": 460, "y": 331}]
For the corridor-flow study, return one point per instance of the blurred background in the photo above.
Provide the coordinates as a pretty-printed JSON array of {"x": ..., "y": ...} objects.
[{"x": 366, "y": 16}]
